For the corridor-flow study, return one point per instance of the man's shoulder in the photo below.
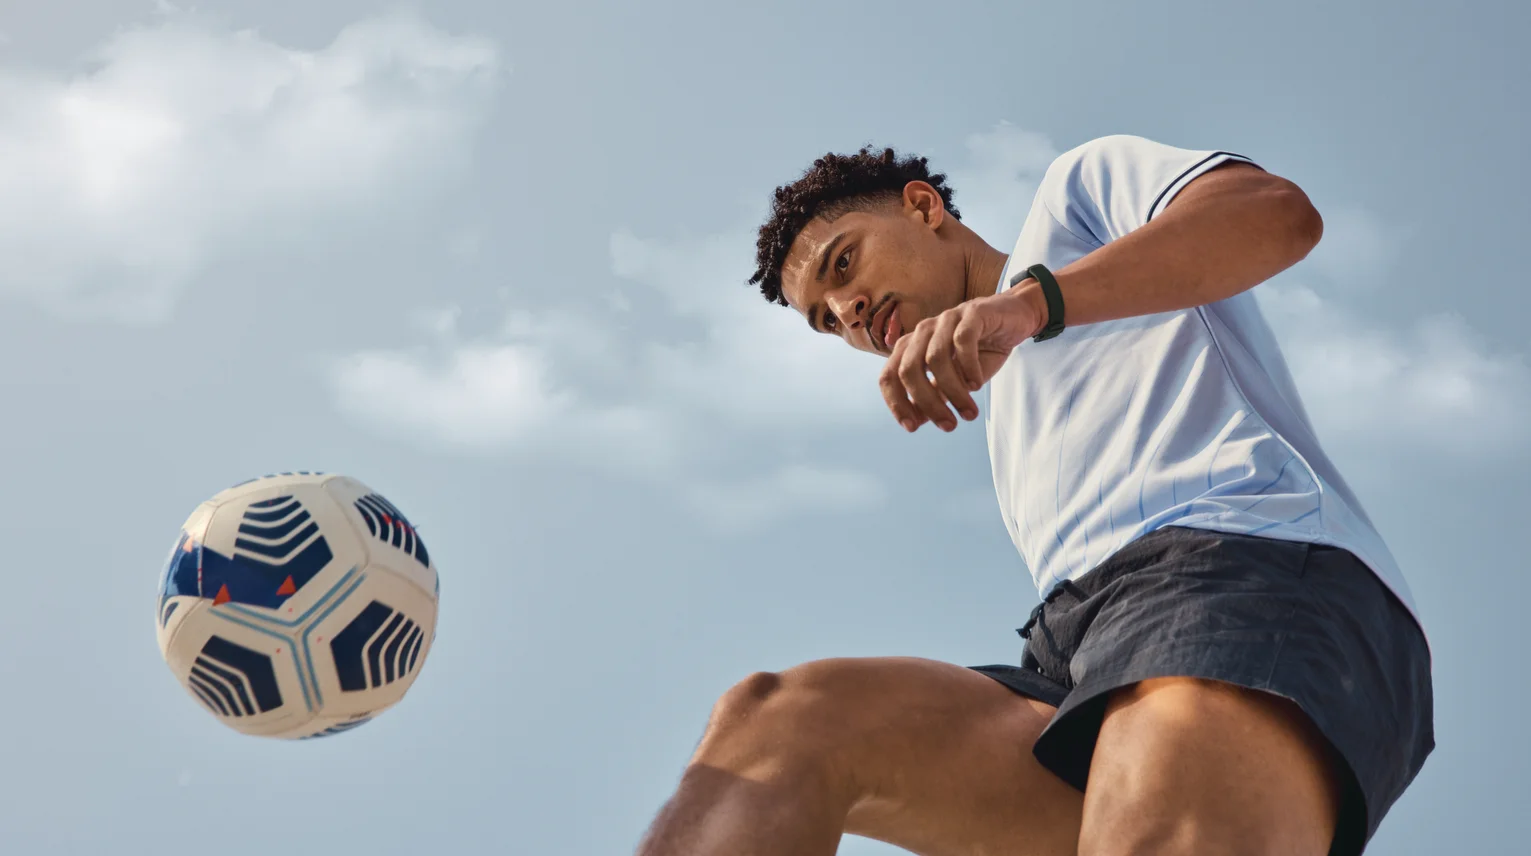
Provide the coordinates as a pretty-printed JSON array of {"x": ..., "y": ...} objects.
[
  {"x": 1102, "y": 156},
  {"x": 1077, "y": 176},
  {"x": 1112, "y": 184}
]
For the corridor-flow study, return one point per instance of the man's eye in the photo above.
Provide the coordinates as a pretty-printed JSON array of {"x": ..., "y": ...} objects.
[
  {"x": 843, "y": 262},
  {"x": 830, "y": 322}
]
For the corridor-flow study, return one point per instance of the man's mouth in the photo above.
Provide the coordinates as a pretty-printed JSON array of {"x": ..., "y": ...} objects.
[{"x": 886, "y": 328}]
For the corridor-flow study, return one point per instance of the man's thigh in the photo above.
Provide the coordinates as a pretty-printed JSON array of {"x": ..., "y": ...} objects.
[
  {"x": 938, "y": 758},
  {"x": 1185, "y": 766}
]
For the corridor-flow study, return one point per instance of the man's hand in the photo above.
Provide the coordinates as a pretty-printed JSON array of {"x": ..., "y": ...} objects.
[{"x": 962, "y": 348}]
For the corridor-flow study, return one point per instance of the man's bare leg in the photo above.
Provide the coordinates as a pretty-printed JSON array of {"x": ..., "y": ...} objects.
[
  {"x": 937, "y": 759},
  {"x": 927, "y": 756},
  {"x": 1184, "y": 766}
]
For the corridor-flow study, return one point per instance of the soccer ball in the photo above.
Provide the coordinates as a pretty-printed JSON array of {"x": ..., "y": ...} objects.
[{"x": 297, "y": 605}]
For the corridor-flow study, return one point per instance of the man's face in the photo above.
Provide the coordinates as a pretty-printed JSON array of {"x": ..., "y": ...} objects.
[{"x": 870, "y": 276}]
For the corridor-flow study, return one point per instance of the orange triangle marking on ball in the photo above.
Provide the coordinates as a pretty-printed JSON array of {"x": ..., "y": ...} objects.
[
  {"x": 287, "y": 587},
  {"x": 223, "y": 595}
]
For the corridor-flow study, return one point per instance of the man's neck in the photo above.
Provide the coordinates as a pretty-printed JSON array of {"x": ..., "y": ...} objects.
[{"x": 984, "y": 265}]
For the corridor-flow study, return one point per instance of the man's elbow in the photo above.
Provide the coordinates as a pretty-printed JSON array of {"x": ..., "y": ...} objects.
[{"x": 1305, "y": 226}]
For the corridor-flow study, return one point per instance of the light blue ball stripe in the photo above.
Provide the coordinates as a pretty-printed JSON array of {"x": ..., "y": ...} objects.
[
  {"x": 297, "y": 664},
  {"x": 261, "y": 622},
  {"x": 307, "y": 651}
]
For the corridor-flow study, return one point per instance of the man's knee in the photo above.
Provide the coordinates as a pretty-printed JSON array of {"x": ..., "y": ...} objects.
[
  {"x": 742, "y": 702},
  {"x": 930, "y": 756},
  {"x": 776, "y": 723}
]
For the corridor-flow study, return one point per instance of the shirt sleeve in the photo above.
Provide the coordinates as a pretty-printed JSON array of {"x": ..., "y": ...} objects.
[{"x": 1105, "y": 188}]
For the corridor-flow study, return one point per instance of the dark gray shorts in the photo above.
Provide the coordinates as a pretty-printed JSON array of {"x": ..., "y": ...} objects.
[{"x": 1307, "y": 622}]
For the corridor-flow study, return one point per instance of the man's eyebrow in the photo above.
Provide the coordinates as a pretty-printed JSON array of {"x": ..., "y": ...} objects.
[
  {"x": 824, "y": 257},
  {"x": 813, "y": 313}
]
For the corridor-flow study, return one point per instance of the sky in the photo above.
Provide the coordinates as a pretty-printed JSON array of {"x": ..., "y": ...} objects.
[{"x": 489, "y": 258}]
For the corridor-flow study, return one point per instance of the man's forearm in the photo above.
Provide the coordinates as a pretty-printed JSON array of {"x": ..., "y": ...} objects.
[{"x": 1226, "y": 232}]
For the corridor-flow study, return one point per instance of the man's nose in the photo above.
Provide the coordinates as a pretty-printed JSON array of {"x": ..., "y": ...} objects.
[{"x": 850, "y": 309}]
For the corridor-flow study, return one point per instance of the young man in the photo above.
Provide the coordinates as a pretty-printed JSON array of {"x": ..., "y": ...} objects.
[{"x": 1226, "y": 659}]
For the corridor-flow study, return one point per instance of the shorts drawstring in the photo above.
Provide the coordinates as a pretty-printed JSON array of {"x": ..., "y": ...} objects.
[{"x": 1036, "y": 612}]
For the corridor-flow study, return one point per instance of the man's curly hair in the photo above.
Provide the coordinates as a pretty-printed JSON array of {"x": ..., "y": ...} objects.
[{"x": 834, "y": 185}]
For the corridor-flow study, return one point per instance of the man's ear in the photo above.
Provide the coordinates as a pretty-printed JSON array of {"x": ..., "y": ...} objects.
[{"x": 922, "y": 201}]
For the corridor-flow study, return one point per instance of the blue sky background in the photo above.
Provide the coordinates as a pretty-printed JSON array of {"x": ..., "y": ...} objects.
[{"x": 489, "y": 259}]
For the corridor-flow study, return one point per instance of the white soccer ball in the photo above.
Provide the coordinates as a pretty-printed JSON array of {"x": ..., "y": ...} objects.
[{"x": 297, "y": 605}]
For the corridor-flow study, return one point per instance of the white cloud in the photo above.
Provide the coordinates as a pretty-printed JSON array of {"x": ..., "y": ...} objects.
[
  {"x": 994, "y": 185},
  {"x": 739, "y": 358},
  {"x": 499, "y": 393},
  {"x": 679, "y": 368},
  {"x": 1357, "y": 248},
  {"x": 1435, "y": 387},
  {"x": 441, "y": 323},
  {"x": 573, "y": 384},
  {"x": 478, "y": 395},
  {"x": 789, "y": 491},
  {"x": 569, "y": 384},
  {"x": 183, "y": 139}
]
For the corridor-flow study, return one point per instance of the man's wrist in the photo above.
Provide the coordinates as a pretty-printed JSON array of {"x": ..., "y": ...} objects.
[{"x": 1028, "y": 294}]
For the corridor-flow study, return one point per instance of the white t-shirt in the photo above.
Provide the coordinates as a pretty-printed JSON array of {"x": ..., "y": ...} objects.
[{"x": 1186, "y": 418}]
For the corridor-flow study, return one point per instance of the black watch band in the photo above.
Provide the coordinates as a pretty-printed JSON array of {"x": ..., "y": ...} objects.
[{"x": 1051, "y": 293}]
